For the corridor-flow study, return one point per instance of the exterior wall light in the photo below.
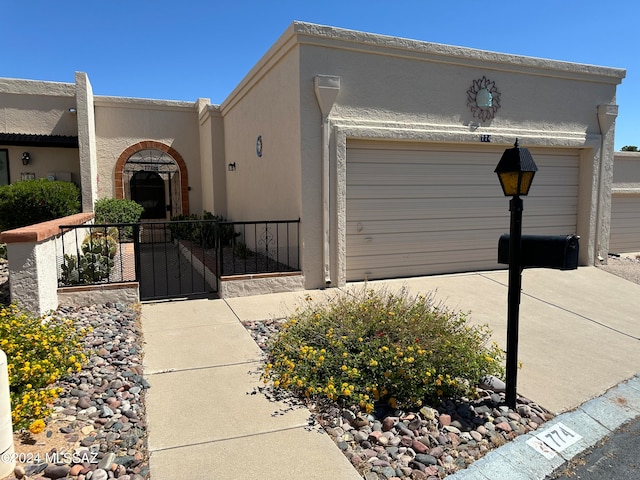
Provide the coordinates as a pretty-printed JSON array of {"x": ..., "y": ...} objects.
[
  {"x": 515, "y": 171},
  {"x": 232, "y": 167},
  {"x": 26, "y": 158}
]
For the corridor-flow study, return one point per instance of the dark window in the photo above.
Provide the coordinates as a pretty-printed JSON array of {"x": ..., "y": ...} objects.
[{"x": 4, "y": 167}]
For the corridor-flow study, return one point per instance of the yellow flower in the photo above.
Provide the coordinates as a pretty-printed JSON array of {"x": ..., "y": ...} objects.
[{"x": 37, "y": 427}]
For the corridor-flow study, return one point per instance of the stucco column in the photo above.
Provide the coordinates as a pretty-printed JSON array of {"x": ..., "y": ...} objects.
[
  {"x": 327, "y": 88},
  {"x": 86, "y": 141},
  {"x": 607, "y": 114}
]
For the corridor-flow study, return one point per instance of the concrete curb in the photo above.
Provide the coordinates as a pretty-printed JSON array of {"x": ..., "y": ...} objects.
[{"x": 593, "y": 420}]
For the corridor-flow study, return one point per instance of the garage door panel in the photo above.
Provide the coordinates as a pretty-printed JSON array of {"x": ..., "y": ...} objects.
[
  {"x": 412, "y": 212},
  {"x": 421, "y": 242},
  {"x": 430, "y": 209},
  {"x": 625, "y": 224},
  {"x": 413, "y": 269},
  {"x": 388, "y": 261},
  {"x": 359, "y": 192},
  {"x": 531, "y": 222}
]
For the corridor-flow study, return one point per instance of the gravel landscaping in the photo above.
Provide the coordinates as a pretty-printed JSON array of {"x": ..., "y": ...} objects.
[
  {"x": 431, "y": 443},
  {"x": 98, "y": 430}
]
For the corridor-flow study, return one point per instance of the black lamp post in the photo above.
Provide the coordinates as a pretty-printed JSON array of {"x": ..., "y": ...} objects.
[{"x": 515, "y": 171}]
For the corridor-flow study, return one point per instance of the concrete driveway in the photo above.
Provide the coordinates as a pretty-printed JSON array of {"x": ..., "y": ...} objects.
[{"x": 579, "y": 336}]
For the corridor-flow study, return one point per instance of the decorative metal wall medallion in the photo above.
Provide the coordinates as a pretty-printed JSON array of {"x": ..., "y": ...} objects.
[
  {"x": 483, "y": 98},
  {"x": 259, "y": 146}
]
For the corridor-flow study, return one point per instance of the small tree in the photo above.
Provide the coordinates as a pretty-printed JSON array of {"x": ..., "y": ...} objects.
[{"x": 629, "y": 148}]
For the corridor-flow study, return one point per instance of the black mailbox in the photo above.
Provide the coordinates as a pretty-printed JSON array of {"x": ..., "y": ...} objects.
[{"x": 543, "y": 251}]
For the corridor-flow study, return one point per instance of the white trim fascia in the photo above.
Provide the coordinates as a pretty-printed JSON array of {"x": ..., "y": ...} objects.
[
  {"x": 455, "y": 133},
  {"x": 147, "y": 104},
  {"x": 333, "y": 37},
  {"x": 37, "y": 87},
  {"x": 626, "y": 191}
]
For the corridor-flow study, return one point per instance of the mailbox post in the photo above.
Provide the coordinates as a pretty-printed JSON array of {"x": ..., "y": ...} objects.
[{"x": 515, "y": 171}]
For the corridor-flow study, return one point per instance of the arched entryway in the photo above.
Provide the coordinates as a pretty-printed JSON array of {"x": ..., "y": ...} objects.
[{"x": 155, "y": 176}]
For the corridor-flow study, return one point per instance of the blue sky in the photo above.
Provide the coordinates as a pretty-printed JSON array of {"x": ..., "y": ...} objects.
[{"x": 197, "y": 48}]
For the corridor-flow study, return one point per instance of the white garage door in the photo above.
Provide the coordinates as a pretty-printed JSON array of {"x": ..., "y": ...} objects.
[
  {"x": 413, "y": 210},
  {"x": 625, "y": 224}
]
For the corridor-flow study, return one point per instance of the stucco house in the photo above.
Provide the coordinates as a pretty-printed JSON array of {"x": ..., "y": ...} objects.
[{"x": 384, "y": 147}]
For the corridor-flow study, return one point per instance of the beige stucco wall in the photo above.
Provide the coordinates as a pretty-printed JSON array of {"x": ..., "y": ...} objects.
[
  {"x": 265, "y": 104},
  {"x": 29, "y": 106},
  {"x": 395, "y": 89},
  {"x": 212, "y": 152},
  {"x": 45, "y": 160},
  {"x": 42, "y": 108},
  {"x": 626, "y": 170},
  {"x": 121, "y": 122}
]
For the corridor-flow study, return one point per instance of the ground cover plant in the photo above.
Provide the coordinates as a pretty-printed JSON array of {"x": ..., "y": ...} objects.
[
  {"x": 39, "y": 352},
  {"x": 379, "y": 349}
]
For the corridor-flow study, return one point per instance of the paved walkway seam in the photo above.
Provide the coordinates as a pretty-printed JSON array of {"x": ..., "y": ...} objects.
[
  {"x": 206, "y": 367},
  {"x": 239, "y": 437}
]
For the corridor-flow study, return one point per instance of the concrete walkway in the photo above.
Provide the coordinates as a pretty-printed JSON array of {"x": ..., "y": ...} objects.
[{"x": 579, "y": 336}]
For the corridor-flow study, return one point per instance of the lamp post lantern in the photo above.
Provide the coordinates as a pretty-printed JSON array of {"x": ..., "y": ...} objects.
[{"x": 515, "y": 170}]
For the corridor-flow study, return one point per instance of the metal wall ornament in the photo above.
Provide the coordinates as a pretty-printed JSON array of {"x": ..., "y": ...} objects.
[
  {"x": 483, "y": 98},
  {"x": 259, "y": 146}
]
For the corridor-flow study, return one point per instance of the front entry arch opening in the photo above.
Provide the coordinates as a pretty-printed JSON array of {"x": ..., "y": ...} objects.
[{"x": 152, "y": 178}]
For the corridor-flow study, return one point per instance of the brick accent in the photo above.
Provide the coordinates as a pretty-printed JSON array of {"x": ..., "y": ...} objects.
[
  {"x": 43, "y": 231},
  {"x": 153, "y": 145}
]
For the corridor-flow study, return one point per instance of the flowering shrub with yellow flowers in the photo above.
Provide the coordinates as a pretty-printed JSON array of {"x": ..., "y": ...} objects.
[
  {"x": 40, "y": 350},
  {"x": 367, "y": 347}
]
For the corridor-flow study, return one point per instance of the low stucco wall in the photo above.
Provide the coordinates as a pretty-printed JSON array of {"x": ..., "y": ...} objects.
[
  {"x": 126, "y": 293},
  {"x": 246, "y": 285},
  {"x": 31, "y": 252}
]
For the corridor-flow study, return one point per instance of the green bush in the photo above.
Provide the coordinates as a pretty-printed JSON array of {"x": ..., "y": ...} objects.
[
  {"x": 366, "y": 347},
  {"x": 34, "y": 201},
  {"x": 204, "y": 233},
  {"x": 118, "y": 210}
]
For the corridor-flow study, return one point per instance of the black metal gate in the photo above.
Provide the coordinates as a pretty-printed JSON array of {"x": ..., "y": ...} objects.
[
  {"x": 178, "y": 258},
  {"x": 168, "y": 266}
]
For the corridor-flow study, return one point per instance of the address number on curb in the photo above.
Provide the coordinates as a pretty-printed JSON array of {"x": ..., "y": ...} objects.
[{"x": 554, "y": 439}]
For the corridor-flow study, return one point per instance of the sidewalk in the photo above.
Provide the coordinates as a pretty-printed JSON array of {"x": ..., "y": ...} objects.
[{"x": 579, "y": 336}]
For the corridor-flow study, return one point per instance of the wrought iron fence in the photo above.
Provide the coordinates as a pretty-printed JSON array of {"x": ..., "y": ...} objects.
[
  {"x": 259, "y": 247},
  {"x": 95, "y": 254},
  {"x": 178, "y": 257}
]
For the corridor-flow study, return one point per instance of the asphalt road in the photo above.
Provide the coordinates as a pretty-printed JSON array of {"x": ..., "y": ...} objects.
[{"x": 616, "y": 457}]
